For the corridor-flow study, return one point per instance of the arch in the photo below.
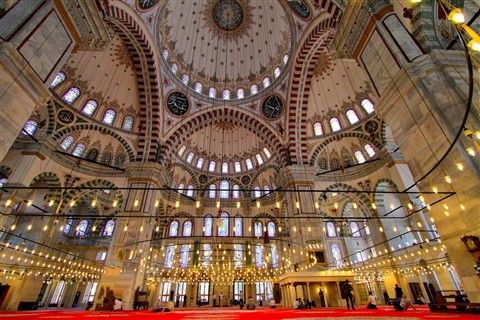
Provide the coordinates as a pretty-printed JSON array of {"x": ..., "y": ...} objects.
[
  {"x": 208, "y": 225},
  {"x": 71, "y": 95},
  {"x": 108, "y": 229},
  {"x": 81, "y": 229},
  {"x": 223, "y": 224},
  {"x": 59, "y": 79},
  {"x": 89, "y": 107},
  {"x": 187, "y": 228},
  {"x": 173, "y": 228}
]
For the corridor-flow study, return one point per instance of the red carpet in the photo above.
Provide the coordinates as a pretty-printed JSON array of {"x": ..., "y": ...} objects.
[{"x": 383, "y": 313}]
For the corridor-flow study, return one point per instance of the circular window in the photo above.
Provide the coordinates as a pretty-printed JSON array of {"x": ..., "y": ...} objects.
[
  {"x": 146, "y": 4},
  {"x": 177, "y": 103},
  {"x": 272, "y": 107}
]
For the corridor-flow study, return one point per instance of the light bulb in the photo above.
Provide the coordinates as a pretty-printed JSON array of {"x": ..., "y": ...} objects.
[
  {"x": 135, "y": 203},
  {"x": 72, "y": 203},
  {"x": 419, "y": 224},
  {"x": 394, "y": 229},
  {"x": 29, "y": 203},
  {"x": 460, "y": 166},
  {"x": 94, "y": 228},
  {"x": 462, "y": 207},
  {"x": 51, "y": 202},
  {"x": 456, "y": 16},
  {"x": 448, "y": 179},
  {"x": 410, "y": 206},
  {"x": 317, "y": 206},
  {"x": 94, "y": 203},
  {"x": 177, "y": 204},
  {"x": 435, "y": 189},
  {"x": 355, "y": 206},
  {"x": 470, "y": 151},
  {"x": 380, "y": 229},
  {"x": 374, "y": 206},
  {"x": 115, "y": 203},
  {"x": 8, "y": 202},
  {"x": 29, "y": 227},
  {"x": 125, "y": 228},
  {"x": 13, "y": 227},
  {"x": 218, "y": 204},
  {"x": 45, "y": 228},
  {"x": 258, "y": 204},
  {"x": 238, "y": 204},
  {"x": 297, "y": 204},
  {"x": 432, "y": 220},
  {"x": 141, "y": 228},
  {"x": 157, "y": 202},
  {"x": 157, "y": 228}
]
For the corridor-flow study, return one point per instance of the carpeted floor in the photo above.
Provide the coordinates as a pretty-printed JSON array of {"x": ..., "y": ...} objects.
[{"x": 383, "y": 313}]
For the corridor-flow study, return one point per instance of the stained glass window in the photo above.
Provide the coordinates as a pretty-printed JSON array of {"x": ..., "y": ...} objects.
[
  {"x": 335, "y": 124},
  {"x": 240, "y": 93},
  {"x": 259, "y": 159},
  {"x": 92, "y": 154},
  {"x": 169, "y": 256},
  {"x": 238, "y": 226},
  {"x": 258, "y": 229},
  {"x": 259, "y": 256},
  {"x": 355, "y": 230},
  {"x": 190, "y": 157},
  {"x": 367, "y": 229},
  {"x": 187, "y": 228},
  {"x": 223, "y": 225},
  {"x": 66, "y": 142},
  {"x": 107, "y": 158},
  {"x": 174, "y": 68},
  {"x": 238, "y": 167},
  {"x": 184, "y": 253},
  {"x": 211, "y": 166},
  {"x": 30, "y": 127},
  {"x": 266, "y": 82},
  {"x": 331, "y": 231},
  {"x": 212, "y": 191},
  {"x": 266, "y": 190},
  {"x": 369, "y": 150},
  {"x": 78, "y": 150},
  {"x": 59, "y": 78},
  {"x": 180, "y": 187},
  {"x": 277, "y": 72},
  {"x": 67, "y": 226},
  {"x": 81, "y": 228},
  {"x": 200, "y": 162},
  {"x": 225, "y": 167},
  {"x": 236, "y": 191},
  {"x": 359, "y": 156},
  {"x": 127, "y": 123},
  {"x": 71, "y": 95},
  {"x": 317, "y": 129},
  {"x": 89, "y": 107},
  {"x": 190, "y": 191},
  {"x": 120, "y": 159},
  {"x": 109, "y": 116},
  {"x": 267, "y": 153},
  {"x": 257, "y": 192},
  {"x": 198, "y": 87},
  {"x": 108, "y": 229},
  {"x": 212, "y": 93},
  {"x": 238, "y": 255},
  {"x": 285, "y": 59},
  {"x": 208, "y": 226},
  {"x": 368, "y": 106},
  {"x": 185, "y": 78},
  {"x": 336, "y": 254},
  {"x": 352, "y": 116},
  {"x": 253, "y": 89},
  {"x": 249, "y": 164},
  {"x": 274, "y": 253},
  {"x": 226, "y": 94},
  {"x": 173, "y": 232},
  {"x": 224, "y": 189},
  {"x": 165, "y": 54},
  {"x": 207, "y": 255},
  {"x": 271, "y": 229},
  {"x": 181, "y": 150}
]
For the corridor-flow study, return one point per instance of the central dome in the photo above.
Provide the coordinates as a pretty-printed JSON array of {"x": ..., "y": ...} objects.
[
  {"x": 227, "y": 14},
  {"x": 225, "y": 49}
]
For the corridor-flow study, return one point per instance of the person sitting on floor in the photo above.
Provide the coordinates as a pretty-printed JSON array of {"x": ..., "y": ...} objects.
[
  {"x": 372, "y": 301},
  {"x": 117, "y": 305},
  {"x": 272, "y": 303},
  {"x": 250, "y": 305},
  {"x": 406, "y": 303},
  {"x": 296, "y": 304}
]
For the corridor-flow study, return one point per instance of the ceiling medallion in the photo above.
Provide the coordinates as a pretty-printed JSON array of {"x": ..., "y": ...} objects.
[{"x": 230, "y": 19}]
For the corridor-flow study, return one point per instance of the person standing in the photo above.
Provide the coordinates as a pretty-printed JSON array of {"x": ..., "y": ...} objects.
[
  {"x": 348, "y": 293},
  {"x": 398, "y": 297},
  {"x": 220, "y": 298},
  {"x": 386, "y": 297}
]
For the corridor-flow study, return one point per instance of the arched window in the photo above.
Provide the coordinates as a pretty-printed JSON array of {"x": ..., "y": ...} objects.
[
  {"x": 317, "y": 129},
  {"x": 127, "y": 123},
  {"x": 368, "y": 106},
  {"x": 81, "y": 228},
  {"x": 331, "y": 231},
  {"x": 184, "y": 253},
  {"x": 225, "y": 167},
  {"x": 336, "y": 254},
  {"x": 165, "y": 54},
  {"x": 323, "y": 163},
  {"x": 107, "y": 158},
  {"x": 359, "y": 156},
  {"x": 109, "y": 116},
  {"x": 257, "y": 229},
  {"x": 207, "y": 255},
  {"x": 355, "y": 230},
  {"x": 369, "y": 150},
  {"x": 266, "y": 190},
  {"x": 78, "y": 150},
  {"x": 224, "y": 189},
  {"x": 190, "y": 191},
  {"x": 59, "y": 78},
  {"x": 238, "y": 255},
  {"x": 92, "y": 154},
  {"x": 277, "y": 72},
  {"x": 169, "y": 256},
  {"x": 257, "y": 192},
  {"x": 198, "y": 87},
  {"x": 185, "y": 78},
  {"x": 181, "y": 150},
  {"x": 207, "y": 226},
  {"x": 174, "y": 67},
  {"x": 223, "y": 225},
  {"x": 190, "y": 157},
  {"x": 253, "y": 89},
  {"x": 212, "y": 191},
  {"x": 173, "y": 230},
  {"x": 259, "y": 255},
  {"x": 249, "y": 164},
  {"x": 180, "y": 188},
  {"x": 335, "y": 124},
  {"x": 240, "y": 93},
  {"x": 120, "y": 159},
  {"x": 212, "y": 93},
  {"x": 67, "y": 227},
  {"x": 334, "y": 164},
  {"x": 285, "y": 59},
  {"x": 30, "y": 127},
  {"x": 211, "y": 166},
  {"x": 266, "y": 82},
  {"x": 226, "y": 94},
  {"x": 71, "y": 95},
  {"x": 89, "y": 107},
  {"x": 352, "y": 116},
  {"x": 238, "y": 226},
  {"x": 274, "y": 258},
  {"x": 267, "y": 153},
  {"x": 236, "y": 191},
  {"x": 187, "y": 228},
  {"x": 271, "y": 229},
  {"x": 200, "y": 162},
  {"x": 238, "y": 167},
  {"x": 259, "y": 159},
  {"x": 67, "y": 142},
  {"x": 108, "y": 229}
]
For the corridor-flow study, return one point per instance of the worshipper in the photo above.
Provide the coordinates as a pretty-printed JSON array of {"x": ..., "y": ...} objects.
[
  {"x": 220, "y": 298},
  {"x": 421, "y": 299},
  {"x": 398, "y": 297},
  {"x": 241, "y": 302},
  {"x": 348, "y": 293},
  {"x": 250, "y": 304},
  {"x": 117, "y": 305},
  {"x": 386, "y": 297},
  {"x": 157, "y": 306},
  {"x": 406, "y": 303},
  {"x": 372, "y": 301},
  {"x": 272, "y": 303},
  {"x": 296, "y": 304}
]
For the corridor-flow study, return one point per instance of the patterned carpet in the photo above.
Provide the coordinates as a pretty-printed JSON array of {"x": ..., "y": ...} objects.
[{"x": 383, "y": 313}]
